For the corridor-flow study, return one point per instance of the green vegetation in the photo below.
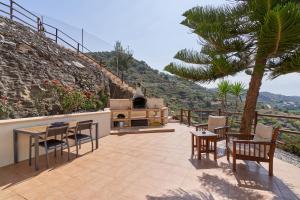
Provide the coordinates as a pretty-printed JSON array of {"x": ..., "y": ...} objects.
[
  {"x": 177, "y": 92},
  {"x": 61, "y": 99},
  {"x": 224, "y": 88},
  {"x": 5, "y": 108},
  {"x": 122, "y": 57},
  {"x": 253, "y": 36}
]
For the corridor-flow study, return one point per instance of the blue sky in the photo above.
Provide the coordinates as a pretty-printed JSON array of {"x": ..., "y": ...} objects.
[{"x": 150, "y": 27}]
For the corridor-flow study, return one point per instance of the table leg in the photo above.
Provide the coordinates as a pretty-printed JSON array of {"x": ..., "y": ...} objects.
[
  {"x": 97, "y": 136},
  {"x": 15, "y": 138},
  {"x": 36, "y": 152},
  {"x": 215, "y": 149},
  {"x": 207, "y": 146},
  {"x": 199, "y": 148}
]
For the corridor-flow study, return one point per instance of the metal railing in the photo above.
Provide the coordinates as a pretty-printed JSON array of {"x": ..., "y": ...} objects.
[
  {"x": 191, "y": 116},
  {"x": 15, "y": 11}
]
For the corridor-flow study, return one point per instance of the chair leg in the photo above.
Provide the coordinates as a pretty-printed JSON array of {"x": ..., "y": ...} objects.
[
  {"x": 68, "y": 151},
  {"x": 92, "y": 140},
  {"x": 92, "y": 144},
  {"x": 228, "y": 154},
  {"x": 76, "y": 144},
  {"x": 55, "y": 149},
  {"x": 47, "y": 158},
  {"x": 61, "y": 150},
  {"x": 234, "y": 163},
  {"x": 30, "y": 144},
  {"x": 271, "y": 167}
]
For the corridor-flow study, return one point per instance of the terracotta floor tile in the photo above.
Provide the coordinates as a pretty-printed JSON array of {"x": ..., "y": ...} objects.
[{"x": 147, "y": 166}]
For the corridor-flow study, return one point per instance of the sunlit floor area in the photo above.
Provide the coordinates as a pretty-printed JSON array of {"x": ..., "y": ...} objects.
[{"x": 148, "y": 166}]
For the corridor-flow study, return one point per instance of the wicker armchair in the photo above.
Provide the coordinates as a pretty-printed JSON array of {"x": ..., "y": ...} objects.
[
  {"x": 259, "y": 147},
  {"x": 217, "y": 125}
]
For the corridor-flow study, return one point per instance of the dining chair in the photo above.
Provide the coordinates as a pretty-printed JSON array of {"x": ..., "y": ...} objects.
[
  {"x": 79, "y": 135},
  {"x": 56, "y": 136}
]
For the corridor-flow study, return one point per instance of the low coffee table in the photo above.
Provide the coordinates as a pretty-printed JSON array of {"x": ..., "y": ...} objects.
[{"x": 204, "y": 142}]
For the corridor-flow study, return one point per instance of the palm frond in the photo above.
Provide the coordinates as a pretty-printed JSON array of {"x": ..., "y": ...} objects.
[
  {"x": 191, "y": 56},
  {"x": 290, "y": 64},
  {"x": 218, "y": 68},
  {"x": 281, "y": 30}
]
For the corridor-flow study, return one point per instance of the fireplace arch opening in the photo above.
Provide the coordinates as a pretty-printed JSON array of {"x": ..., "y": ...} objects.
[{"x": 139, "y": 102}]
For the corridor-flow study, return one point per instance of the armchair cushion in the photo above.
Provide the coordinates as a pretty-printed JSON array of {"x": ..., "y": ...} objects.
[
  {"x": 215, "y": 122},
  {"x": 263, "y": 133}
]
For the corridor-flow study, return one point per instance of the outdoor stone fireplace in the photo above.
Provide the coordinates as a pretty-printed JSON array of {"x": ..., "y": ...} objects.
[{"x": 138, "y": 112}]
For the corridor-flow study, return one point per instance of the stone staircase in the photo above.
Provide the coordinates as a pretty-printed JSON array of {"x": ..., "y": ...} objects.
[{"x": 115, "y": 79}]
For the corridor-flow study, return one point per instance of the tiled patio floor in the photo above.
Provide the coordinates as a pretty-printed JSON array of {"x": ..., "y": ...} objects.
[{"x": 148, "y": 166}]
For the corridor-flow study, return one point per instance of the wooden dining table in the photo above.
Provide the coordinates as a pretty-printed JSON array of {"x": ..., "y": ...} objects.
[{"x": 35, "y": 132}]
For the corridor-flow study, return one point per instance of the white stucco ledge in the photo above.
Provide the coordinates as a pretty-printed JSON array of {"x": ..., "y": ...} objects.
[{"x": 6, "y": 131}]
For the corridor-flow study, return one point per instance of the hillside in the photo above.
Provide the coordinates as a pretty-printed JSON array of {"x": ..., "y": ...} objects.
[
  {"x": 28, "y": 58},
  {"x": 180, "y": 93},
  {"x": 177, "y": 93},
  {"x": 280, "y": 102}
]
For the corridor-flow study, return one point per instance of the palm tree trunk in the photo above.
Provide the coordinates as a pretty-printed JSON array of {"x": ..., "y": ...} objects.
[{"x": 252, "y": 96}]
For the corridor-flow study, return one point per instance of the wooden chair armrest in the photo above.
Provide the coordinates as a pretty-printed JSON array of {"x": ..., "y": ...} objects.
[
  {"x": 251, "y": 142},
  {"x": 226, "y": 128},
  {"x": 239, "y": 136},
  {"x": 201, "y": 126}
]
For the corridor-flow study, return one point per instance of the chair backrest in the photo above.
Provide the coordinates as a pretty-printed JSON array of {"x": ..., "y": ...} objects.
[
  {"x": 216, "y": 121},
  {"x": 54, "y": 130},
  {"x": 263, "y": 133},
  {"x": 84, "y": 125}
]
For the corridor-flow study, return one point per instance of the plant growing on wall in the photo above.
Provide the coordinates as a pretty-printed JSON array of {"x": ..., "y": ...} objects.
[
  {"x": 73, "y": 100},
  {"x": 5, "y": 109}
]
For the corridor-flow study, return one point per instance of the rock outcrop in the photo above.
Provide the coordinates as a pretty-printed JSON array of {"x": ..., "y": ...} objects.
[{"x": 27, "y": 58}]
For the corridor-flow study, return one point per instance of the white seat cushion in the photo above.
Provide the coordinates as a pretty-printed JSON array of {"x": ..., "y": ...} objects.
[
  {"x": 263, "y": 133},
  {"x": 215, "y": 122}
]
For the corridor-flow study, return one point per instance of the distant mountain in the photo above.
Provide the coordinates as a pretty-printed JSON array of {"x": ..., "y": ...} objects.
[{"x": 280, "y": 101}]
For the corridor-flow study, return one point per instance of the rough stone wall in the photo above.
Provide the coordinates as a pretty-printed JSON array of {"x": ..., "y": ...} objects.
[{"x": 27, "y": 58}]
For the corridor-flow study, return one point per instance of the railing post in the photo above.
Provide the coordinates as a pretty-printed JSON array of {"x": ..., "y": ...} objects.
[
  {"x": 11, "y": 9},
  {"x": 219, "y": 111},
  {"x": 78, "y": 46},
  {"x": 181, "y": 115},
  {"x": 255, "y": 120},
  {"x": 122, "y": 77},
  {"x": 189, "y": 117},
  {"x": 56, "y": 35},
  {"x": 38, "y": 24}
]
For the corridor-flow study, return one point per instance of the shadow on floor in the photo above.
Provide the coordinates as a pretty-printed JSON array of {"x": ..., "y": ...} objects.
[
  {"x": 252, "y": 182},
  {"x": 181, "y": 194}
]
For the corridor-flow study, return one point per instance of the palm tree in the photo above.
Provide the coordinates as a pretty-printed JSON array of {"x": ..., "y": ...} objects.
[
  {"x": 260, "y": 37},
  {"x": 223, "y": 90},
  {"x": 237, "y": 90}
]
